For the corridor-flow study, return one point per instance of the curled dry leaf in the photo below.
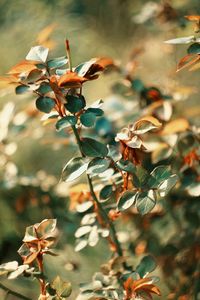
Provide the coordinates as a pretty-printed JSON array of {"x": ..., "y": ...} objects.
[{"x": 37, "y": 240}]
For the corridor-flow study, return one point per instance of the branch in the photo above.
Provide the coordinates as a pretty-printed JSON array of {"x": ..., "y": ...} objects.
[
  {"x": 100, "y": 207},
  {"x": 11, "y": 292}
]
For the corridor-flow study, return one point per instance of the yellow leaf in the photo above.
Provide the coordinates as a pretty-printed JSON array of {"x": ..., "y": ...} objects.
[{"x": 175, "y": 126}]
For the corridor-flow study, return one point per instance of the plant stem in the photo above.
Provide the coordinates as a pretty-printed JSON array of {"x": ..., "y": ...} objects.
[
  {"x": 6, "y": 289},
  {"x": 68, "y": 55},
  {"x": 41, "y": 280},
  {"x": 100, "y": 207}
]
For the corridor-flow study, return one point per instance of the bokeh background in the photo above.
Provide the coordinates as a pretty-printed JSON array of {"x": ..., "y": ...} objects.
[{"x": 32, "y": 155}]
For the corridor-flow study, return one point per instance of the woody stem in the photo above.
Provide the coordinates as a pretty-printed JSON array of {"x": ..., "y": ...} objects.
[{"x": 100, "y": 207}]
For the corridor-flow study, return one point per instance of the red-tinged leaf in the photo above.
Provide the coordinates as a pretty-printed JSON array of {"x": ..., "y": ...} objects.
[
  {"x": 23, "y": 67},
  {"x": 187, "y": 61},
  {"x": 71, "y": 80}
]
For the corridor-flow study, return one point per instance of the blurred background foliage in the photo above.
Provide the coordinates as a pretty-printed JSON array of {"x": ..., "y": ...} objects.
[{"x": 32, "y": 155}]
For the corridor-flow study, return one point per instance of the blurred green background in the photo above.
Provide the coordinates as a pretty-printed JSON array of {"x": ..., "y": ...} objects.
[{"x": 32, "y": 156}]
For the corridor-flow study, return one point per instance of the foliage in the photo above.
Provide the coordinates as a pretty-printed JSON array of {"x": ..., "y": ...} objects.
[{"x": 137, "y": 172}]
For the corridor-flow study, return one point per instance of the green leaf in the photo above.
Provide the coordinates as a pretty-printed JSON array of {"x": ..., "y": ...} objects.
[
  {"x": 137, "y": 85},
  {"x": 146, "y": 202},
  {"x": 38, "y": 53},
  {"x": 75, "y": 104},
  {"x": 57, "y": 62},
  {"x": 63, "y": 288},
  {"x": 146, "y": 266},
  {"x": 126, "y": 165},
  {"x": 21, "y": 89},
  {"x": 127, "y": 199},
  {"x": 113, "y": 153},
  {"x": 105, "y": 192},
  {"x": 33, "y": 76},
  {"x": 158, "y": 175},
  {"x": 141, "y": 177},
  {"x": 74, "y": 168},
  {"x": 97, "y": 111},
  {"x": 88, "y": 119},
  {"x": 61, "y": 72},
  {"x": 66, "y": 122},
  {"x": 93, "y": 148},
  {"x": 45, "y": 104},
  {"x": 44, "y": 88},
  {"x": 194, "y": 49},
  {"x": 167, "y": 185},
  {"x": 97, "y": 166}
]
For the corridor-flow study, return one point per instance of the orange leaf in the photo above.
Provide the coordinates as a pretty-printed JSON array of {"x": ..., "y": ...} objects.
[
  {"x": 24, "y": 66},
  {"x": 152, "y": 289},
  {"x": 105, "y": 62},
  {"x": 175, "y": 126},
  {"x": 187, "y": 61},
  {"x": 71, "y": 80},
  {"x": 193, "y": 18}
]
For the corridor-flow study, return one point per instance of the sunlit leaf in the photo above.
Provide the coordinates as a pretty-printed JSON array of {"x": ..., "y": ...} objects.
[
  {"x": 98, "y": 165},
  {"x": 38, "y": 53},
  {"x": 182, "y": 40},
  {"x": 127, "y": 199},
  {"x": 57, "y": 62},
  {"x": 74, "y": 168},
  {"x": 158, "y": 175},
  {"x": 167, "y": 185},
  {"x": 146, "y": 202}
]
